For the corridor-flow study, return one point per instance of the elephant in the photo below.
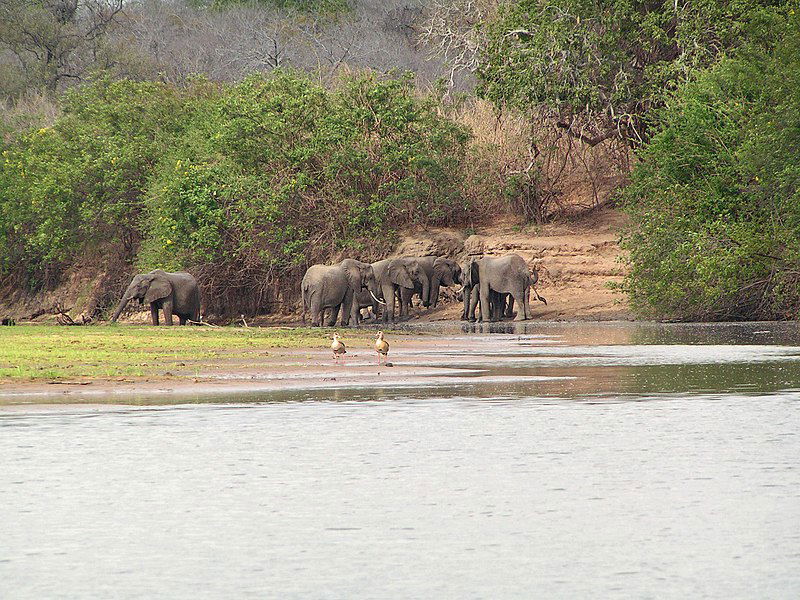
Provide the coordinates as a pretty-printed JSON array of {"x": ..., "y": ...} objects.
[
  {"x": 406, "y": 294},
  {"x": 446, "y": 272},
  {"x": 440, "y": 271},
  {"x": 174, "y": 293},
  {"x": 489, "y": 279},
  {"x": 333, "y": 287},
  {"x": 399, "y": 275},
  {"x": 501, "y": 306},
  {"x": 364, "y": 299}
]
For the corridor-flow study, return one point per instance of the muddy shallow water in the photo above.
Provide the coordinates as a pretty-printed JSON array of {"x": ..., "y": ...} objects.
[{"x": 556, "y": 460}]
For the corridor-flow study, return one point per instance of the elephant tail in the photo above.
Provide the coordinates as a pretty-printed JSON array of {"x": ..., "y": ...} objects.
[{"x": 303, "y": 296}]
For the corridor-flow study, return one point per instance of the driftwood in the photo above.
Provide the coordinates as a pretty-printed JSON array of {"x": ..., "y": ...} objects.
[
  {"x": 64, "y": 319},
  {"x": 206, "y": 323}
]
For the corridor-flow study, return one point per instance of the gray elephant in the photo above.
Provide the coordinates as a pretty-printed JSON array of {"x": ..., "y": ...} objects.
[
  {"x": 439, "y": 270},
  {"x": 174, "y": 293},
  {"x": 406, "y": 294},
  {"x": 501, "y": 306},
  {"x": 398, "y": 276},
  {"x": 366, "y": 299},
  {"x": 446, "y": 272},
  {"x": 333, "y": 287},
  {"x": 489, "y": 279}
]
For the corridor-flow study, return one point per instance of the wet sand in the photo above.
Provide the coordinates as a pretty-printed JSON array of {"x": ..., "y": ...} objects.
[
  {"x": 551, "y": 358},
  {"x": 409, "y": 364}
]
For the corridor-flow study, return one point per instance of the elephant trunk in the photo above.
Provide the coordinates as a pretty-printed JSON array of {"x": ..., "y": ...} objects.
[
  {"x": 426, "y": 291},
  {"x": 467, "y": 293},
  {"x": 122, "y": 304}
]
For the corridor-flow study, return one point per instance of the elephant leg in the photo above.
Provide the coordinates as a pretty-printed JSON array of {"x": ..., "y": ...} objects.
[
  {"x": 526, "y": 303},
  {"x": 467, "y": 296},
  {"x": 388, "y": 297},
  {"x": 167, "y": 306},
  {"x": 334, "y": 315},
  {"x": 348, "y": 302},
  {"x": 355, "y": 313},
  {"x": 473, "y": 305},
  {"x": 316, "y": 313},
  {"x": 182, "y": 319},
  {"x": 405, "y": 300},
  {"x": 519, "y": 296},
  {"x": 486, "y": 310},
  {"x": 496, "y": 301},
  {"x": 510, "y": 307},
  {"x": 154, "y": 313}
]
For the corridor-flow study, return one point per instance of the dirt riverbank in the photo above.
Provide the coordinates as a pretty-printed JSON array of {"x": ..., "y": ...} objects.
[{"x": 577, "y": 260}]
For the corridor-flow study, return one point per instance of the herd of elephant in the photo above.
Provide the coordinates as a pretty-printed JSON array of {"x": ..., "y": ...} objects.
[{"x": 495, "y": 284}]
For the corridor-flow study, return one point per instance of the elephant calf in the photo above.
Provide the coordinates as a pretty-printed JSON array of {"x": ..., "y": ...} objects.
[{"x": 174, "y": 293}]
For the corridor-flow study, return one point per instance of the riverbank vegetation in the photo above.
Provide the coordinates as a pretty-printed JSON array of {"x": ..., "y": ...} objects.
[
  {"x": 244, "y": 141},
  {"x": 715, "y": 197}
]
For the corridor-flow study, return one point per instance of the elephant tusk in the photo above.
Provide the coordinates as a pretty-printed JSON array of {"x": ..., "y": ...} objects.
[
  {"x": 461, "y": 289},
  {"x": 376, "y": 299}
]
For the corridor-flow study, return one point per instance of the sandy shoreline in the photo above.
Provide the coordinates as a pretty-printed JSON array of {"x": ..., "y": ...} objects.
[{"x": 410, "y": 363}]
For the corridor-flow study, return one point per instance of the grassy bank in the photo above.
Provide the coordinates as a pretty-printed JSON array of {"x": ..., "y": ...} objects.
[{"x": 45, "y": 352}]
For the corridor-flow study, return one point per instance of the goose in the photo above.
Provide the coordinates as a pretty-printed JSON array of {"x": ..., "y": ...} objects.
[
  {"x": 381, "y": 347},
  {"x": 337, "y": 348}
]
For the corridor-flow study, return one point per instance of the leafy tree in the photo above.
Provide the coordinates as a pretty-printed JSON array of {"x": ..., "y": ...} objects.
[
  {"x": 604, "y": 65},
  {"x": 55, "y": 40},
  {"x": 715, "y": 196},
  {"x": 279, "y": 173},
  {"x": 78, "y": 184},
  {"x": 246, "y": 184}
]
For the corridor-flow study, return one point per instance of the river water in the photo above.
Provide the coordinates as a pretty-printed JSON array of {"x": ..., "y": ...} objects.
[{"x": 570, "y": 461}]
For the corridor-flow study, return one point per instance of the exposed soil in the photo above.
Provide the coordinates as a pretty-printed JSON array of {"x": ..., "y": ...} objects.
[{"x": 577, "y": 260}]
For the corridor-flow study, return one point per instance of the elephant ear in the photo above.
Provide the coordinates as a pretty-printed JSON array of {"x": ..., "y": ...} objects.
[
  {"x": 473, "y": 272},
  {"x": 353, "y": 277},
  {"x": 159, "y": 288},
  {"x": 398, "y": 274},
  {"x": 466, "y": 273},
  {"x": 443, "y": 272}
]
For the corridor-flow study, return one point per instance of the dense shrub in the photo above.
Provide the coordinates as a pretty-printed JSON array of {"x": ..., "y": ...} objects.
[
  {"x": 715, "y": 198},
  {"x": 246, "y": 184},
  {"x": 79, "y": 182},
  {"x": 604, "y": 65}
]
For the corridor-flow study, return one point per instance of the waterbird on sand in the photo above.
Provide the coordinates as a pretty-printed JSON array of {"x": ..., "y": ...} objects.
[
  {"x": 337, "y": 348},
  {"x": 381, "y": 347}
]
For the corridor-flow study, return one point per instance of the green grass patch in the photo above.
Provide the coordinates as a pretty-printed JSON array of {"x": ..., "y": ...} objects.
[{"x": 48, "y": 352}]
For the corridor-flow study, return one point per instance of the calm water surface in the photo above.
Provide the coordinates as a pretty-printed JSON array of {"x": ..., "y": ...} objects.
[{"x": 581, "y": 461}]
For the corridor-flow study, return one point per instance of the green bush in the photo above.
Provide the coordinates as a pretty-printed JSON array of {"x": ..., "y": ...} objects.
[
  {"x": 607, "y": 64},
  {"x": 715, "y": 197},
  {"x": 79, "y": 183},
  {"x": 246, "y": 184}
]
